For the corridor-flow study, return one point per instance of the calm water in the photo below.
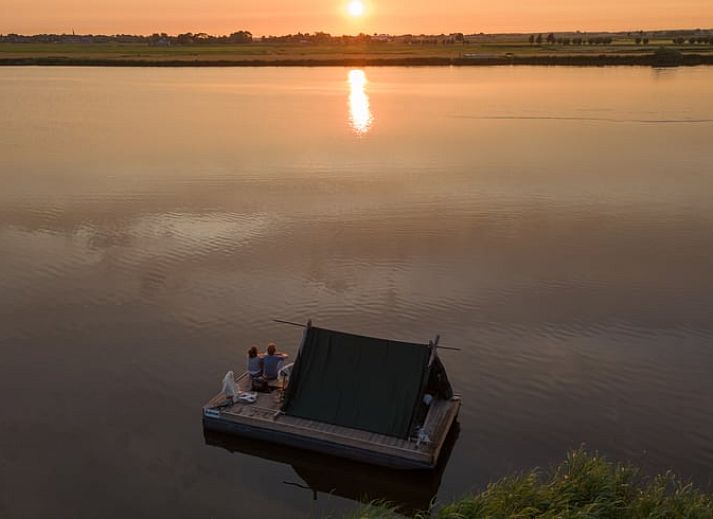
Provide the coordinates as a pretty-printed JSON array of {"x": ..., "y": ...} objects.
[{"x": 555, "y": 224}]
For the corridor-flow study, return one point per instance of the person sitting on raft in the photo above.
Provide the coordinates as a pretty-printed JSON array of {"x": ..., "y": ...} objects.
[
  {"x": 254, "y": 363},
  {"x": 271, "y": 362}
]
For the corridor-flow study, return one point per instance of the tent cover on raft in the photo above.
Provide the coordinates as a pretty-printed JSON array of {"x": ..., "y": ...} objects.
[{"x": 364, "y": 383}]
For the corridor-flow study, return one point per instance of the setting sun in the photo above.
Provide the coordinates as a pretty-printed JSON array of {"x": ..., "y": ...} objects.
[{"x": 355, "y": 8}]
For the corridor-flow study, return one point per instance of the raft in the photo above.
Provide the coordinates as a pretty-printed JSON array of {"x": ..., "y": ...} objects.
[{"x": 370, "y": 400}]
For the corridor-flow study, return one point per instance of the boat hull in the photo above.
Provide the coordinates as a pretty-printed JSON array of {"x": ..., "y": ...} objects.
[{"x": 375, "y": 453}]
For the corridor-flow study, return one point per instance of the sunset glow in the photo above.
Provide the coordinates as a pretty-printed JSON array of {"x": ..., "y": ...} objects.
[
  {"x": 355, "y": 8},
  {"x": 386, "y": 16}
]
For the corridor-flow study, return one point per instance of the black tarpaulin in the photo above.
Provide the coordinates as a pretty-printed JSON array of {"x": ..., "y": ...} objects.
[{"x": 359, "y": 382}]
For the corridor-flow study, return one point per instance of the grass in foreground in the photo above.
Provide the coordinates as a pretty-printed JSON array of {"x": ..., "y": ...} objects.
[{"x": 583, "y": 486}]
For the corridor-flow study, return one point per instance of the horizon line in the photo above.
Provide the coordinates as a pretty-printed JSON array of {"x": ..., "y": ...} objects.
[{"x": 73, "y": 32}]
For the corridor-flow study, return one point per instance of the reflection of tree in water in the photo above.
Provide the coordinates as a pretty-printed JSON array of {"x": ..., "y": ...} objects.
[{"x": 410, "y": 490}]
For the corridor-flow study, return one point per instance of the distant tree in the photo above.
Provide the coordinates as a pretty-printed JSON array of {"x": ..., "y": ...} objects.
[
  {"x": 638, "y": 41},
  {"x": 645, "y": 41},
  {"x": 240, "y": 37},
  {"x": 185, "y": 39},
  {"x": 321, "y": 37},
  {"x": 202, "y": 37},
  {"x": 538, "y": 40},
  {"x": 551, "y": 39},
  {"x": 600, "y": 40},
  {"x": 532, "y": 39}
]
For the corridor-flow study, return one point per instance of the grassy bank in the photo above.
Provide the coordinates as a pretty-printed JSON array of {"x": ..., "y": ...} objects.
[
  {"x": 258, "y": 54},
  {"x": 582, "y": 486}
]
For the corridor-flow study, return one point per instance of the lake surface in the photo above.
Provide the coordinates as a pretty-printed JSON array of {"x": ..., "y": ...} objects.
[{"x": 556, "y": 224}]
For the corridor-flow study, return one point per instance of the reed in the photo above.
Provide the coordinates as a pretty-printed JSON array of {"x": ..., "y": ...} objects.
[{"x": 584, "y": 485}]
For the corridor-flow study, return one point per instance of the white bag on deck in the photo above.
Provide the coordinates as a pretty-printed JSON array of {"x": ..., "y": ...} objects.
[{"x": 229, "y": 389}]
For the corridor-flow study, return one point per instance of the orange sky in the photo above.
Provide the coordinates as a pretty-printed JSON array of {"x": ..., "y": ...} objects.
[{"x": 390, "y": 16}]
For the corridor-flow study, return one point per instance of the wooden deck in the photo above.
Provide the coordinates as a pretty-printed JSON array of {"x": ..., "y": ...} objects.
[{"x": 263, "y": 420}]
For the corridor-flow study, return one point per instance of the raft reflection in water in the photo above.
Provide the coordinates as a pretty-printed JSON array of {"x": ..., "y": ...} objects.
[
  {"x": 411, "y": 491},
  {"x": 360, "y": 116}
]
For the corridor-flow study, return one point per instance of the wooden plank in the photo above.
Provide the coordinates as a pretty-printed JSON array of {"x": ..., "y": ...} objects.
[
  {"x": 310, "y": 432},
  {"x": 335, "y": 449},
  {"x": 445, "y": 426},
  {"x": 343, "y": 431}
]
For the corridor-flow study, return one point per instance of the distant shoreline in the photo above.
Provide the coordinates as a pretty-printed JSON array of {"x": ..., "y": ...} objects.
[
  {"x": 622, "y": 52},
  {"x": 601, "y": 60}
]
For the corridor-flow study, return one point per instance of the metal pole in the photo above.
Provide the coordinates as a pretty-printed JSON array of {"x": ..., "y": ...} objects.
[{"x": 290, "y": 323}]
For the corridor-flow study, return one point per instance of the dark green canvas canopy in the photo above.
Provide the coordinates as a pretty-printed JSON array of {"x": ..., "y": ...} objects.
[{"x": 359, "y": 382}]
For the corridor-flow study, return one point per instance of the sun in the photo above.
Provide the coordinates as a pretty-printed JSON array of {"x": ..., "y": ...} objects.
[{"x": 355, "y": 8}]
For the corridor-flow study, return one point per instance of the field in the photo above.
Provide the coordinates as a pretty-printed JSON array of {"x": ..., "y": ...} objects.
[{"x": 620, "y": 52}]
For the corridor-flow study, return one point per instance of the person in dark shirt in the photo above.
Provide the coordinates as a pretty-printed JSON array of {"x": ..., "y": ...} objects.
[
  {"x": 271, "y": 362},
  {"x": 254, "y": 362}
]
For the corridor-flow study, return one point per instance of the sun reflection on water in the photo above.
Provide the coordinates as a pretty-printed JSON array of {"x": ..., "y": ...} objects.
[{"x": 360, "y": 116}]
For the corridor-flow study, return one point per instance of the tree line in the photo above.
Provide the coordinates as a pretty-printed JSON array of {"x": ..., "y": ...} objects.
[
  {"x": 188, "y": 38},
  {"x": 238, "y": 37},
  {"x": 640, "y": 39},
  {"x": 317, "y": 38},
  {"x": 325, "y": 37},
  {"x": 551, "y": 39},
  {"x": 703, "y": 40},
  {"x": 201, "y": 38},
  {"x": 697, "y": 37}
]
